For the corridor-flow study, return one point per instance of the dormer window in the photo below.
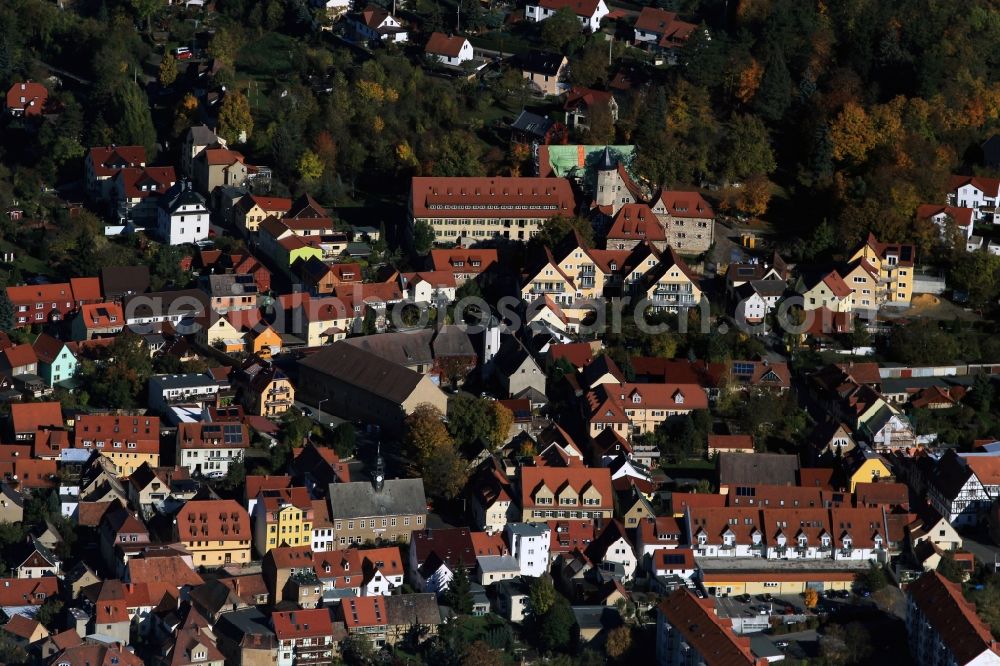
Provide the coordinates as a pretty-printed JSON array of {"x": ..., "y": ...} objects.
[
  {"x": 847, "y": 542},
  {"x": 636, "y": 398},
  {"x": 702, "y": 539},
  {"x": 802, "y": 542},
  {"x": 679, "y": 398}
]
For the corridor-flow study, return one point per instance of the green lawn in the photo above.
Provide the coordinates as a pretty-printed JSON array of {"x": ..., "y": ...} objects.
[{"x": 270, "y": 58}]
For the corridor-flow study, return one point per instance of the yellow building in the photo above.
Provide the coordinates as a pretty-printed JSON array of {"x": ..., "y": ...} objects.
[
  {"x": 865, "y": 466},
  {"x": 127, "y": 441},
  {"x": 282, "y": 518},
  {"x": 215, "y": 532},
  {"x": 895, "y": 265},
  {"x": 264, "y": 389},
  {"x": 264, "y": 343},
  {"x": 779, "y": 581},
  {"x": 220, "y": 334},
  {"x": 830, "y": 292},
  {"x": 670, "y": 286},
  {"x": 251, "y": 210},
  {"x": 862, "y": 279}
]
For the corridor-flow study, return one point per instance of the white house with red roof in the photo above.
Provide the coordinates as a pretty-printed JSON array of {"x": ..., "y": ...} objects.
[
  {"x": 376, "y": 24},
  {"x": 464, "y": 264},
  {"x": 448, "y": 49},
  {"x": 980, "y": 194},
  {"x": 946, "y": 216},
  {"x": 590, "y": 12},
  {"x": 661, "y": 30}
]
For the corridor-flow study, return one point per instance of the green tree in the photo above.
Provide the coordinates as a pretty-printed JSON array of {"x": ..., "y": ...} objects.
[
  {"x": 358, "y": 650},
  {"x": 459, "y": 593},
  {"x": 344, "y": 440},
  {"x": 470, "y": 420},
  {"x": 542, "y": 595},
  {"x": 295, "y": 427},
  {"x": 6, "y": 312},
  {"x": 775, "y": 92},
  {"x": 235, "y": 119},
  {"x": 48, "y": 612},
  {"x": 950, "y": 569},
  {"x": 135, "y": 122},
  {"x": 560, "y": 29},
  {"x": 236, "y": 475},
  {"x": 445, "y": 472},
  {"x": 423, "y": 238},
  {"x": 555, "y": 627},
  {"x": 119, "y": 380},
  {"x": 168, "y": 70},
  {"x": 745, "y": 150},
  {"x": 590, "y": 66},
  {"x": 874, "y": 579},
  {"x": 555, "y": 230},
  {"x": 145, "y": 10}
]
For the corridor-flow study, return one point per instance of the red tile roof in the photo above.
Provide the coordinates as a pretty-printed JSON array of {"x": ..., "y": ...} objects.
[
  {"x": 685, "y": 204},
  {"x": 570, "y": 535},
  {"x": 580, "y": 96},
  {"x": 579, "y": 354},
  {"x": 961, "y": 216},
  {"x": 141, "y": 182},
  {"x": 22, "y": 626},
  {"x": 313, "y": 623},
  {"x": 20, "y": 356},
  {"x": 585, "y": 8},
  {"x": 556, "y": 479},
  {"x": 460, "y": 260},
  {"x": 107, "y": 160},
  {"x": 222, "y": 156},
  {"x": 122, "y": 434},
  {"x": 890, "y": 495},
  {"x": 709, "y": 636},
  {"x": 364, "y": 612},
  {"x": 442, "y": 44},
  {"x": 952, "y": 617},
  {"x": 636, "y": 222},
  {"x": 730, "y": 442},
  {"x": 988, "y": 186},
  {"x": 28, "y": 97},
  {"x": 86, "y": 289},
  {"x": 213, "y": 520},
  {"x": 680, "y": 502},
  {"x": 27, "y": 591},
  {"x": 511, "y": 197},
  {"x": 29, "y": 417}
]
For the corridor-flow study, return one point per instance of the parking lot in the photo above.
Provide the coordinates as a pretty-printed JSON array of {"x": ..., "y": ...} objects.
[{"x": 786, "y": 604}]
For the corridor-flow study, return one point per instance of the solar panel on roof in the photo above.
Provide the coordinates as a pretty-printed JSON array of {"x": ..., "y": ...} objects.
[{"x": 742, "y": 368}]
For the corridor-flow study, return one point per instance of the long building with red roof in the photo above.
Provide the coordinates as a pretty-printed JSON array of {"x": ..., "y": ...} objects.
[{"x": 512, "y": 208}]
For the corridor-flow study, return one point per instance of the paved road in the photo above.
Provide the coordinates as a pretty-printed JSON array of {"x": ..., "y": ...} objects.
[{"x": 980, "y": 546}]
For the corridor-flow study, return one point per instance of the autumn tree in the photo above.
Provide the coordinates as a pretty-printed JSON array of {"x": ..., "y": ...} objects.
[
  {"x": 168, "y": 70},
  {"x": 619, "y": 641},
  {"x": 501, "y": 421},
  {"x": 755, "y": 195},
  {"x": 480, "y": 653},
  {"x": 425, "y": 432},
  {"x": 810, "y": 598},
  {"x": 445, "y": 472},
  {"x": 853, "y": 133},
  {"x": 310, "y": 167},
  {"x": 185, "y": 114},
  {"x": 235, "y": 119},
  {"x": 748, "y": 81}
]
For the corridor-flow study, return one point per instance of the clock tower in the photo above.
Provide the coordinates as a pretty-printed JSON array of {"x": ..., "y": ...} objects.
[{"x": 379, "y": 470}]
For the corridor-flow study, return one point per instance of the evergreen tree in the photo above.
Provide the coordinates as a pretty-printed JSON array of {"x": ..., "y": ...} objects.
[
  {"x": 135, "y": 122},
  {"x": 775, "y": 91},
  {"x": 6, "y": 312},
  {"x": 459, "y": 593}
]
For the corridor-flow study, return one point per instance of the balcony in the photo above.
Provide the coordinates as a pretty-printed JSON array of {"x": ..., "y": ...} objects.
[{"x": 547, "y": 288}]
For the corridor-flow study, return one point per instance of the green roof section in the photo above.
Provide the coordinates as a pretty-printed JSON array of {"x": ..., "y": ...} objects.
[{"x": 574, "y": 160}]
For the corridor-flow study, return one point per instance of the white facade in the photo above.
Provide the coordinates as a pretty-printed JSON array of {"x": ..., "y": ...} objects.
[
  {"x": 209, "y": 461},
  {"x": 529, "y": 545},
  {"x": 537, "y": 13},
  {"x": 381, "y": 585},
  {"x": 184, "y": 219},
  {"x": 464, "y": 55},
  {"x": 620, "y": 552},
  {"x": 971, "y": 502},
  {"x": 970, "y": 196},
  {"x": 422, "y": 291}
]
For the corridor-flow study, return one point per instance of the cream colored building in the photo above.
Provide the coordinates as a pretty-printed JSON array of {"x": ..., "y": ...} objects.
[
  {"x": 671, "y": 286},
  {"x": 829, "y": 292},
  {"x": 513, "y": 208},
  {"x": 895, "y": 265},
  {"x": 215, "y": 532}
]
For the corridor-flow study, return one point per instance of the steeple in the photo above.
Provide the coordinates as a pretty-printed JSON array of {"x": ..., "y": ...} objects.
[
  {"x": 379, "y": 469},
  {"x": 608, "y": 162}
]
